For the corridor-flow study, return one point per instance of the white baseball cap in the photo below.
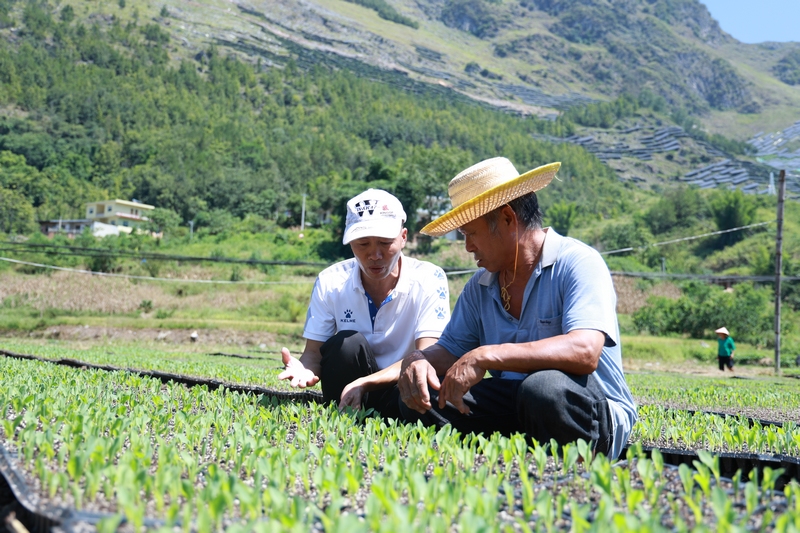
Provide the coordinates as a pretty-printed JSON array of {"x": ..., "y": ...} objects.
[{"x": 373, "y": 213}]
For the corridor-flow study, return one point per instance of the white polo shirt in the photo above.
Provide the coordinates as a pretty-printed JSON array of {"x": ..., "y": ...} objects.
[{"x": 419, "y": 306}]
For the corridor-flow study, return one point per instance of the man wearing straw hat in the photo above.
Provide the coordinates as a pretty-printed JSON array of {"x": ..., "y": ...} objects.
[
  {"x": 725, "y": 348},
  {"x": 539, "y": 316},
  {"x": 367, "y": 312}
]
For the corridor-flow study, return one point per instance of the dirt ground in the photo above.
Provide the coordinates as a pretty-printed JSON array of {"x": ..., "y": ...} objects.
[
  {"x": 699, "y": 368},
  {"x": 67, "y": 291},
  {"x": 204, "y": 338}
]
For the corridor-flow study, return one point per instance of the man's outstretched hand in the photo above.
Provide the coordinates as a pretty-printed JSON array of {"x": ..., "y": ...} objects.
[{"x": 298, "y": 374}]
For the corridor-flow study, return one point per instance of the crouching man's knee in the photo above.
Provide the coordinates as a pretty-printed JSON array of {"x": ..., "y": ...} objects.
[{"x": 566, "y": 407}]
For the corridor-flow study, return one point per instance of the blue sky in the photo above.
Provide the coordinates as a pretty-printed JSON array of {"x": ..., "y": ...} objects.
[{"x": 757, "y": 21}]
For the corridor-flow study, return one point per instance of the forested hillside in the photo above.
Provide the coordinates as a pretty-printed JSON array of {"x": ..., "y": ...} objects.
[
  {"x": 95, "y": 110},
  {"x": 96, "y": 106}
]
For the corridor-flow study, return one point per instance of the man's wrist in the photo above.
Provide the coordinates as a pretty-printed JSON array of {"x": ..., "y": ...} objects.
[
  {"x": 416, "y": 355},
  {"x": 478, "y": 357},
  {"x": 362, "y": 382}
]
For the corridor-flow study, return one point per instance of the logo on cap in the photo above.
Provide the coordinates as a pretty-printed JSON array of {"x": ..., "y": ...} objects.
[{"x": 368, "y": 205}]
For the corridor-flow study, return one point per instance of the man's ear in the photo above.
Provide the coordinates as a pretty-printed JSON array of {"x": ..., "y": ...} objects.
[{"x": 508, "y": 217}]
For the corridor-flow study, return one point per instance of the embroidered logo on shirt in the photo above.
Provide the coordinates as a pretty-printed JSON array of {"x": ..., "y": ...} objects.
[
  {"x": 440, "y": 314},
  {"x": 442, "y": 293},
  {"x": 347, "y": 316}
]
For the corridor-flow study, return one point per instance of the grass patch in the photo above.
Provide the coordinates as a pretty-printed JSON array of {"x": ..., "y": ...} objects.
[
  {"x": 678, "y": 349},
  {"x": 665, "y": 349}
]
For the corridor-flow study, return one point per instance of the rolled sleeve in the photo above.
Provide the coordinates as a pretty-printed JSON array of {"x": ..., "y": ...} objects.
[
  {"x": 434, "y": 308},
  {"x": 589, "y": 298},
  {"x": 320, "y": 323}
]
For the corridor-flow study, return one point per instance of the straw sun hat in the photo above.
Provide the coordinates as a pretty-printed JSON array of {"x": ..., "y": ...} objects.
[
  {"x": 722, "y": 330},
  {"x": 484, "y": 187}
]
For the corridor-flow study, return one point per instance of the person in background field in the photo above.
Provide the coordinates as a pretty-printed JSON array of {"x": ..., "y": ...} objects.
[
  {"x": 539, "y": 316},
  {"x": 367, "y": 312},
  {"x": 725, "y": 348}
]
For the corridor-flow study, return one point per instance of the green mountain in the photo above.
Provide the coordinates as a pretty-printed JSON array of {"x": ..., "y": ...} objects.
[
  {"x": 536, "y": 57},
  {"x": 528, "y": 55},
  {"x": 96, "y": 106},
  {"x": 223, "y": 110}
]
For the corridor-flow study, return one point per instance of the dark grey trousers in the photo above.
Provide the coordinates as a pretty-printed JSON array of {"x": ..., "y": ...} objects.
[
  {"x": 346, "y": 357},
  {"x": 548, "y": 404}
]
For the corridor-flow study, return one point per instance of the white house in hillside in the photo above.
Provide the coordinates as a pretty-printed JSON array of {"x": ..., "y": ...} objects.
[{"x": 120, "y": 213}]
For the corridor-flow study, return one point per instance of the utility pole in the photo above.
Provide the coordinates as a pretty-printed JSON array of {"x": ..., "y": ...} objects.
[
  {"x": 778, "y": 270},
  {"x": 303, "y": 216}
]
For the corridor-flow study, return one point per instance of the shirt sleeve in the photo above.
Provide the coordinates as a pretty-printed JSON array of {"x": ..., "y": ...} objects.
[
  {"x": 589, "y": 298},
  {"x": 320, "y": 322},
  {"x": 434, "y": 308}
]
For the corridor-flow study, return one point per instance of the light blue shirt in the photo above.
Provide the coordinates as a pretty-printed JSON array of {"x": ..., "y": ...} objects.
[{"x": 569, "y": 289}]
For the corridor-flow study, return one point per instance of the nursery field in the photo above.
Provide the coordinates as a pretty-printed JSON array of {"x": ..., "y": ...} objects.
[{"x": 106, "y": 441}]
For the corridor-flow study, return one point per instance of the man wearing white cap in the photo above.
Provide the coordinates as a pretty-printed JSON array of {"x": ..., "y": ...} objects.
[
  {"x": 367, "y": 312},
  {"x": 725, "y": 348},
  {"x": 539, "y": 316}
]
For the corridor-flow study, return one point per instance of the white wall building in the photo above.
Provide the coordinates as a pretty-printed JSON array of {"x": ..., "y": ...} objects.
[{"x": 121, "y": 213}]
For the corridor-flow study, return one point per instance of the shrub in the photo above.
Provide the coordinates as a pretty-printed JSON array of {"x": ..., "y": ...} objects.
[
  {"x": 679, "y": 207},
  {"x": 621, "y": 235},
  {"x": 387, "y": 12},
  {"x": 702, "y": 308},
  {"x": 788, "y": 68},
  {"x": 561, "y": 215},
  {"x": 732, "y": 209},
  {"x": 16, "y": 213}
]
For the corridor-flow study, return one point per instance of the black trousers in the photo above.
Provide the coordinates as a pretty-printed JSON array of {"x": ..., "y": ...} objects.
[
  {"x": 548, "y": 404},
  {"x": 346, "y": 357}
]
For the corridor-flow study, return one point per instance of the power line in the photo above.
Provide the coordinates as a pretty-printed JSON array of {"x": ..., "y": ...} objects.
[
  {"x": 659, "y": 275},
  {"x": 449, "y": 271},
  {"x": 83, "y": 251},
  {"x": 150, "y": 278},
  {"x": 719, "y": 278},
  {"x": 459, "y": 272},
  {"x": 673, "y": 241},
  {"x": 707, "y": 277},
  {"x": 105, "y": 252}
]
